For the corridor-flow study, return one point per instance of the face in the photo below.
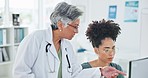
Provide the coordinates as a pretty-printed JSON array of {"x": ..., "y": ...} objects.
[
  {"x": 106, "y": 50},
  {"x": 71, "y": 29}
]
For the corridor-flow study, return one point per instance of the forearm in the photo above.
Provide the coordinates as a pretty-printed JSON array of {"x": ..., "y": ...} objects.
[{"x": 89, "y": 73}]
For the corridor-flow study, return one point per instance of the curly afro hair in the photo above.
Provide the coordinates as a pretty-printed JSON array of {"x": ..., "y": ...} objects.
[{"x": 97, "y": 31}]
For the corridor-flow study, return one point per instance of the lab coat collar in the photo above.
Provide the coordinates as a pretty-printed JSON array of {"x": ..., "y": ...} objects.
[
  {"x": 48, "y": 39},
  {"x": 64, "y": 45},
  {"x": 49, "y": 35}
]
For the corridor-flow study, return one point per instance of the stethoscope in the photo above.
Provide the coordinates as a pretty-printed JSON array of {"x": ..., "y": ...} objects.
[{"x": 52, "y": 71}]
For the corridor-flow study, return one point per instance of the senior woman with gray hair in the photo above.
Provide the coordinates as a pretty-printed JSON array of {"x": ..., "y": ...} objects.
[{"x": 47, "y": 53}]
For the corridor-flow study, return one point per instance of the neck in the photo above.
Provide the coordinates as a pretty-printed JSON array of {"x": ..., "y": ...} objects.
[
  {"x": 98, "y": 63},
  {"x": 102, "y": 63},
  {"x": 56, "y": 40}
]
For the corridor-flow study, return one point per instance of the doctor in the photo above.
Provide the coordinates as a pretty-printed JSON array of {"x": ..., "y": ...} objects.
[{"x": 47, "y": 53}]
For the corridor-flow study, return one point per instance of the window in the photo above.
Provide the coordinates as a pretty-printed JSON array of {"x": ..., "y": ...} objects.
[
  {"x": 27, "y": 10},
  {"x": 33, "y": 13}
]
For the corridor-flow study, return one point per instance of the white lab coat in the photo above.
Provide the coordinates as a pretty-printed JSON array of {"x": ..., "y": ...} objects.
[{"x": 31, "y": 60}]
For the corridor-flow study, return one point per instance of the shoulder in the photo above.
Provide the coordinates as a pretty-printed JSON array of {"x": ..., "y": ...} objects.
[
  {"x": 67, "y": 44},
  {"x": 35, "y": 37},
  {"x": 117, "y": 66},
  {"x": 66, "y": 41},
  {"x": 86, "y": 65},
  {"x": 37, "y": 34}
]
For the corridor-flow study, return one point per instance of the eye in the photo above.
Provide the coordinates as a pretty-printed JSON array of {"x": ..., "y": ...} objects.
[
  {"x": 114, "y": 48},
  {"x": 106, "y": 50},
  {"x": 76, "y": 27}
]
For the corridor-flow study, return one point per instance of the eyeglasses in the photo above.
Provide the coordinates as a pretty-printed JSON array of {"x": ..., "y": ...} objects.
[
  {"x": 109, "y": 50},
  {"x": 74, "y": 26}
]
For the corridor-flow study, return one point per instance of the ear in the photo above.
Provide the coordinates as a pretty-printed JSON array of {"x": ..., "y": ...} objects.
[
  {"x": 96, "y": 50},
  {"x": 60, "y": 25}
]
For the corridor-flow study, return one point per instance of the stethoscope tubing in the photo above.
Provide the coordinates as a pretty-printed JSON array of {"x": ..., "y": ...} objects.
[{"x": 52, "y": 71}]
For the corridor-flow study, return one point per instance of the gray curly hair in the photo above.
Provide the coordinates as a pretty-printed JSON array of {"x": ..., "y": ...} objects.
[{"x": 65, "y": 13}]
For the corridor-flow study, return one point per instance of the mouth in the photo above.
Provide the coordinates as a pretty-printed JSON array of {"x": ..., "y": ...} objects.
[
  {"x": 73, "y": 35},
  {"x": 110, "y": 59}
]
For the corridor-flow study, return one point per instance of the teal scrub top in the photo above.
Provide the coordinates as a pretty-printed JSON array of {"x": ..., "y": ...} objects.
[
  {"x": 118, "y": 67},
  {"x": 60, "y": 68}
]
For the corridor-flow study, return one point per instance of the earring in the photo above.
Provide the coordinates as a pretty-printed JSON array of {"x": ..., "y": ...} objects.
[{"x": 60, "y": 30}]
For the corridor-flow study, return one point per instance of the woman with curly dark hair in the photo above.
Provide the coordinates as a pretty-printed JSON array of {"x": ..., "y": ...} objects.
[{"x": 103, "y": 36}]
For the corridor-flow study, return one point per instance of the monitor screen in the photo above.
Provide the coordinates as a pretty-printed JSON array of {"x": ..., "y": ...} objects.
[{"x": 138, "y": 68}]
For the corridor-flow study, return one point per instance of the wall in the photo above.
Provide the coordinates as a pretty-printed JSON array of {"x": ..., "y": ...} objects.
[
  {"x": 129, "y": 41},
  {"x": 144, "y": 29}
]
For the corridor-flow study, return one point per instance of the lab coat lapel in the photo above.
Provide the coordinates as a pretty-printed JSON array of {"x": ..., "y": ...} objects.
[
  {"x": 64, "y": 47},
  {"x": 65, "y": 50},
  {"x": 53, "y": 60},
  {"x": 49, "y": 38},
  {"x": 53, "y": 51}
]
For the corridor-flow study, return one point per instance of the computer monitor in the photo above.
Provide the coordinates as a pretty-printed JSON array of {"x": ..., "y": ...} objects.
[{"x": 138, "y": 68}]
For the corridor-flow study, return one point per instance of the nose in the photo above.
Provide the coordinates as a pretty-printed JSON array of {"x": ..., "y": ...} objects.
[
  {"x": 76, "y": 30},
  {"x": 111, "y": 53}
]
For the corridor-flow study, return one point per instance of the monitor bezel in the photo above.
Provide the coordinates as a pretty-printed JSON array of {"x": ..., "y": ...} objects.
[{"x": 130, "y": 65}]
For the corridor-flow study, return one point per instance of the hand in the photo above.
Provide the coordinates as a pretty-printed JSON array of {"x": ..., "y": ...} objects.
[{"x": 110, "y": 72}]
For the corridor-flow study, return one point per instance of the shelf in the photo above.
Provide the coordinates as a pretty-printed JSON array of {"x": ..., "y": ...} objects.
[
  {"x": 5, "y": 45},
  {"x": 10, "y": 38},
  {"x": 5, "y": 27},
  {"x": 5, "y": 63},
  {"x": 20, "y": 27},
  {"x": 16, "y": 44}
]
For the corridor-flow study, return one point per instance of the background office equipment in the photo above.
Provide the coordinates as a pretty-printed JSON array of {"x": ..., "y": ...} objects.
[
  {"x": 18, "y": 35},
  {"x": 3, "y": 55},
  {"x": 16, "y": 19},
  {"x": 138, "y": 68},
  {"x": 10, "y": 37},
  {"x": 1, "y": 58},
  {"x": 132, "y": 42},
  {"x": 2, "y": 36}
]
